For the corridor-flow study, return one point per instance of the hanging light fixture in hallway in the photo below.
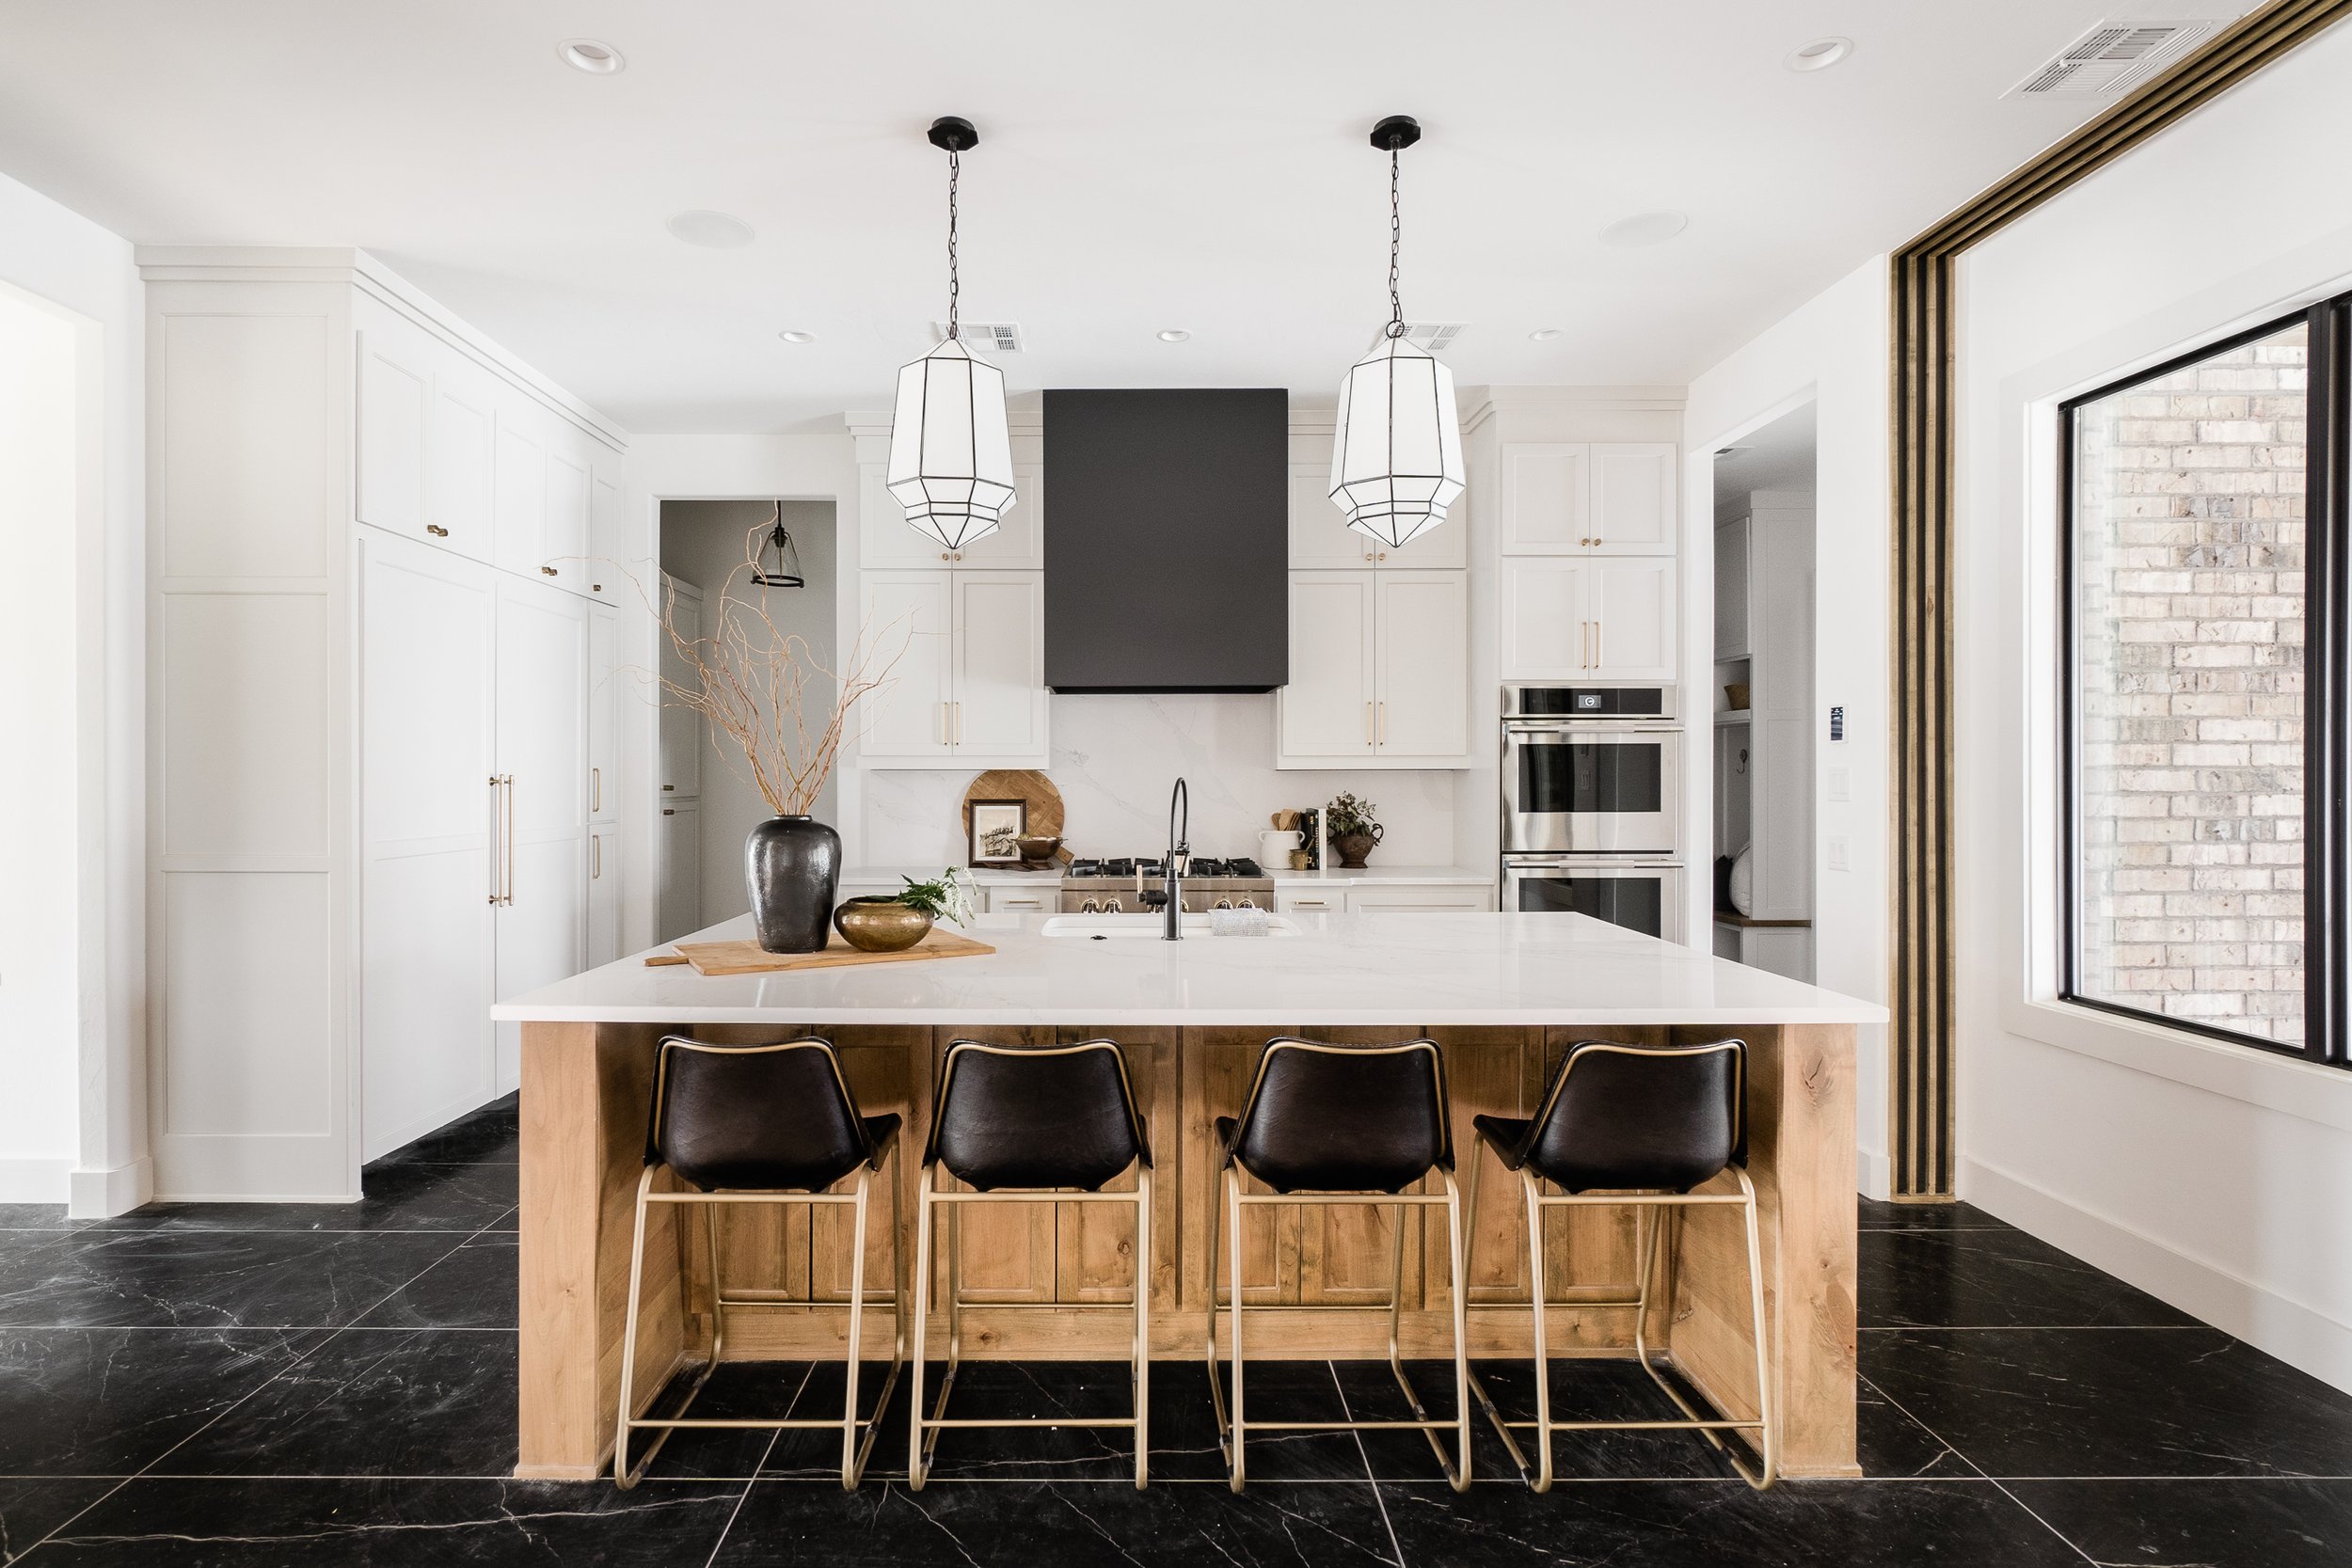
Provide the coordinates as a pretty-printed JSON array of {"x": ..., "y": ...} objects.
[
  {"x": 777, "y": 562},
  {"x": 950, "y": 454},
  {"x": 1396, "y": 457}
]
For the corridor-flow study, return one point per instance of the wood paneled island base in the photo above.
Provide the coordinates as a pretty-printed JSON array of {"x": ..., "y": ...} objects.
[{"x": 586, "y": 1090}]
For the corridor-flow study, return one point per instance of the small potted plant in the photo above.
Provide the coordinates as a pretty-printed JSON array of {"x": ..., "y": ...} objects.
[
  {"x": 892, "y": 923},
  {"x": 1353, "y": 829}
]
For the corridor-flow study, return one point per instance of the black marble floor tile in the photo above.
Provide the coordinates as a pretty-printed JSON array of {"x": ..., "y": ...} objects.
[
  {"x": 1053, "y": 1523},
  {"x": 394, "y": 1523},
  {"x": 1994, "y": 1279},
  {"x": 37, "y": 1216},
  {"x": 1892, "y": 1446},
  {"x": 1878, "y": 1214},
  {"x": 473, "y": 1287},
  {"x": 1592, "y": 1388},
  {"x": 107, "y": 1401},
  {"x": 2215, "y": 1523},
  {"x": 251, "y": 1279},
  {"x": 488, "y": 1136},
  {"x": 31, "y": 1506},
  {"x": 753, "y": 1390},
  {"x": 404, "y": 1196},
  {"x": 371, "y": 1402},
  {"x": 1686, "y": 1524},
  {"x": 2114, "y": 1402}
]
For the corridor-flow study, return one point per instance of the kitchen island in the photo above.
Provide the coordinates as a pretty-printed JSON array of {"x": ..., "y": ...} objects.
[{"x": 1502, "y": 995}]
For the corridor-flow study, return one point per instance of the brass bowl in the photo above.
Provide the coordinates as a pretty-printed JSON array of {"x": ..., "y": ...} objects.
[
  {"x": 880, "y": 924},
  {"x": 1036, "y": 848}
]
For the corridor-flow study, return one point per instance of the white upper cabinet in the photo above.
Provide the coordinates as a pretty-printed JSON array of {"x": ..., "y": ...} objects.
[
  {"x": 884, "y": 538},
  {"x": 566, "y": 536},
  {"x": 1423, "y": 659},
  {"x": 1320, "y": 538},
  {"x": 395, "y": 399},
  {"x": 460, "y": 443},
  {"x": 1379, "y": 671},
  {"x": 1576, "y": 497},
  {"x": 1546, "y": 498},
  {"x": 1633, "y": 498},
  {"x": 1327, "y": 709},
  {"x": 970, "y": 688},
  {"x": 605, "y": 496},
  {"x": 1597, "y": 619},
  {"x": 521, "y": 496}
]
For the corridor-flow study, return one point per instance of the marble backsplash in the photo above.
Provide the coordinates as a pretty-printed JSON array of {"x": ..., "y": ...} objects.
[{"x": 1116, "y": 758}]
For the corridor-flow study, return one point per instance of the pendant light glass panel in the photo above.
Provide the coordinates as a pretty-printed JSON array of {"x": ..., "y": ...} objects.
[
  {"x": 1396, "y": 457},
  {"x": 950, "y": 454}
]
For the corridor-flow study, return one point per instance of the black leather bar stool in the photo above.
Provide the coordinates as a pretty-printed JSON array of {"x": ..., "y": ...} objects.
[
  {"x": 762, "y": 1124},
  {"x": 1327, "y": 1124},
  {"x": 1029, "y": 1124},
  {"x": 1642, "y": 1125}
]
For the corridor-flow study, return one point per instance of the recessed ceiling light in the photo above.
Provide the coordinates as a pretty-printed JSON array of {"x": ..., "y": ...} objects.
[
  {"x": 715, "y": 230},
  {"x": 589, "y": 55},
  {"x": 794, "y": 334},
  {"x": 1645, "y": 227},
  {"x": 1543, "y": 334},
  {"x": 1174, "y": 335},
  {"x": 1820, "y": 54}
]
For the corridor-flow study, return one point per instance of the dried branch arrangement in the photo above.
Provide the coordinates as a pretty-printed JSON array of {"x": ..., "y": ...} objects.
[{"x": 751, "y": 679}]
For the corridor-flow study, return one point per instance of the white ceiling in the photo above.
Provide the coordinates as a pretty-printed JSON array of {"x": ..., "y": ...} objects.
[{"x": 1200, "y": 166}]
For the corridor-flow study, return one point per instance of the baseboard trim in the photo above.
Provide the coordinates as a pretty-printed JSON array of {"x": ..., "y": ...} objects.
[
  {"x": 31, "y": 1180},
  {"x": 101, "y": 1195},
  {"x": 2297, "y": 1334}
]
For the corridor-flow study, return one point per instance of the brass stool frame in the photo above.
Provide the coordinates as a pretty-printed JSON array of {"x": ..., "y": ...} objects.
[
  {"x": 854, "y": 1449},
  {"x": 923, "y": 1430},
  {"x": 1653, "y": 1210},
  {"x": 1232, "y": 1432}
]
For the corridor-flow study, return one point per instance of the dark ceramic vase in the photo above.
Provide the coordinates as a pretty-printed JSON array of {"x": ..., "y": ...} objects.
[
  {"x": 1355, "y": 847},
  {"x": 793, "y": 865}
]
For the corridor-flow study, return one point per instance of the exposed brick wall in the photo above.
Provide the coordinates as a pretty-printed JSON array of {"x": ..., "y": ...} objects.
[{"x": 2190, "y": 602}]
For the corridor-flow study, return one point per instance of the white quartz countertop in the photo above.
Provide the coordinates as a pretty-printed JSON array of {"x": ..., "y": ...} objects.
[
  {"x": 1407, "y": 969},
  {"x": 1386, "y": 875}
]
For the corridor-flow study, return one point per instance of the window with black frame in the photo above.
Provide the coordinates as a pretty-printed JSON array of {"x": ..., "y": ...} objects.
[{"x": 2200, "y": 606}]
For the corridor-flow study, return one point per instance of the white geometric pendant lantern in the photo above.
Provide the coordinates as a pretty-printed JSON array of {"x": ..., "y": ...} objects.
[
  {"x": 1396, "y": 456},
  {"x": 950, "y": 454}
]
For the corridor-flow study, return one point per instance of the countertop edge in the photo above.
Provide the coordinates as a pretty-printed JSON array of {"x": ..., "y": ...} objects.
[{"x": 1206, "y": 1018}]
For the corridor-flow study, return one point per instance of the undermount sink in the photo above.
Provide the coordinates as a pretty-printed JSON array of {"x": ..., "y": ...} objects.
[{"x": 1111, "y": 928}]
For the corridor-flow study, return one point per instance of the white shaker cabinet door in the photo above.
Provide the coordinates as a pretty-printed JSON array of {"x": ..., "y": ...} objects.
[
  {"x": 1327, "y": 708},
  {"x": 520, "y": 492},
  {"x": 1320, "y": 538},
  {"x": 1633, "y": 498},
  {"x": 997, "y": 712},
  {"x": 395, "y": 402},
  {"x": 427, "y": 816},
  {"x": 605, "y": 680},
  {"x": 1422, "y": 648},
  {"x": 1547, "y": 497},
  {"x": 1631, "y": 605},
  {"x": 1019, "y": 543},
  {"x": 460, "y": 444},
  {"x": 1547, "y": 633},
  {"x": 606, "y": 496},
  {"x": 566, "y": 537},
  {"x": 541, "y": 753},
  {"x": 909, "y": 615}
]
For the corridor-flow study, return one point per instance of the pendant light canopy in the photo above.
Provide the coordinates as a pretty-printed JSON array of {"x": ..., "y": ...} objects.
[
  {"x": 950, "y": 454},
  {"x": 1396, "y": 456},
  {"x": 777, "y": 564}
]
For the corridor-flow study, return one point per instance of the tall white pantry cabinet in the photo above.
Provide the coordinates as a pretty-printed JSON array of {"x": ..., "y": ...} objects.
[{"x": 382, "y": 781}]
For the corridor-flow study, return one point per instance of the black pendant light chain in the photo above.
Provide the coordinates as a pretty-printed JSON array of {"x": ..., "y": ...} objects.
[
  {"x": 955, "y": 174},
  {"x": 1396, "y": 238}
]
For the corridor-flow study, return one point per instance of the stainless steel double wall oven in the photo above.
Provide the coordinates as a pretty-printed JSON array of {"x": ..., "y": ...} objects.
[{"x": 1591, "y": 785}]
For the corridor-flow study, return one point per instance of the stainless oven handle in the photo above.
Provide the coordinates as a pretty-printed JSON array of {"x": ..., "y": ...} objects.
[{"x": 1589, "y": 728}]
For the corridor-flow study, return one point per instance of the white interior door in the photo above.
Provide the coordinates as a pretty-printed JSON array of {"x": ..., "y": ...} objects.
[
  {"x": 1422, "y": 648},
  {"x": 907, "y": 720},
  {"x": 999, "y": 700},
  {"x": 542, "y": 748},
  {"x": 427, "y": 976},
  {"x": 1326, "y": 708}
]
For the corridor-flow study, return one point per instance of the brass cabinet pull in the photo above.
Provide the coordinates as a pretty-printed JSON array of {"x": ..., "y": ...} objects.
[
  {"x": 1368, "y": 726},
  {"x": 667, "y": 788},
  {"x": 1381, "y": 735},
  {"x": 595, "y": 856},
  {"x": 503, "y": 852},
  {"x": 546, "y": 571},
  {"x": 437, "y": 530},
  {"x": 1600, "y": 658},
  {"x": 668, "y": 812},
  {"x": 498, "y": 839},
  {"x": 596, "y": 790},
  {"x": 509, "y": 838},
  {"x": 959, "y": 707}
]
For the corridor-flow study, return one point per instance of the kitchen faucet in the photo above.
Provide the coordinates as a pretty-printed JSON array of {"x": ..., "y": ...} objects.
[{"x": 1172, "y": 894}]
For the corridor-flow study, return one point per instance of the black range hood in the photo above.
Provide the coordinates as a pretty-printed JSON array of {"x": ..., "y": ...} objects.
[{"x": 1166, "y": 540}]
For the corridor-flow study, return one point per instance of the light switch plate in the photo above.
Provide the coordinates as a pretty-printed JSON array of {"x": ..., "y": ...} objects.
[
  {"x": 1840, "y": 784},
  {"x": 1838, "y": 858}
]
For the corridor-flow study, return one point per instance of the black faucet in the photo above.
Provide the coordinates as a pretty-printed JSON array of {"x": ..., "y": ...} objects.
[{"x": 1170, "y": 898}]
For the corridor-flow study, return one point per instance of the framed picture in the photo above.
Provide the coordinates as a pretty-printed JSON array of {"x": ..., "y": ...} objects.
[{"x": 996, "y": 828}]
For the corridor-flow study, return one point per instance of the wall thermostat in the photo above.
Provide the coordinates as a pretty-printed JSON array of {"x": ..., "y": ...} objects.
[{"x": 1838, "y": 723}]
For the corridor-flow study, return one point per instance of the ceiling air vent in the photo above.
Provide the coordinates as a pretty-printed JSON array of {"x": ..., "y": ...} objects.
[
  {"x": 1433, "y": 336},
  {"x": 2112, "y": 58},
  {"x": 997, "y": 336}
]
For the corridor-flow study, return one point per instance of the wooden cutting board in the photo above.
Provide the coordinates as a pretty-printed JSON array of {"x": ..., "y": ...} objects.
[
  {"x": 1025, "y": 785},
  {"x": 748, "y": 958}
]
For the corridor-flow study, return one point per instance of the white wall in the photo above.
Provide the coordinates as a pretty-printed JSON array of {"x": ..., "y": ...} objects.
[
  {"x": 76, "y": 1117},
  {"x": 702, "y": 542},
  {"x": 1832, "y": 350},
  {"x": 2209, "y": 1174}
]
